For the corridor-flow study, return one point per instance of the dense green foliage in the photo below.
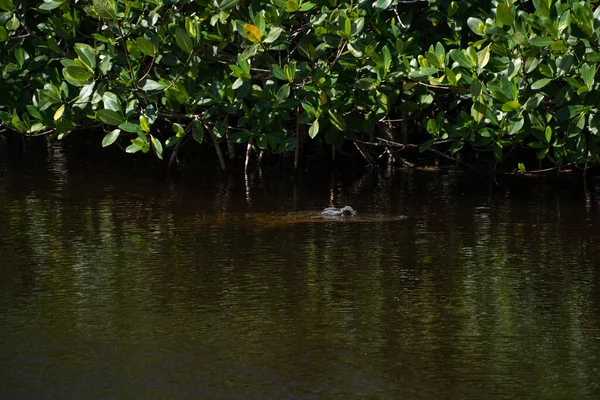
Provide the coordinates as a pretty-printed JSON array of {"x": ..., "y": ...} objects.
[{"x": 494, "y": 76}]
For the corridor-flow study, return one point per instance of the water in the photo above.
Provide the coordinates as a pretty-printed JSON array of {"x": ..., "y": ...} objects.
[{"x": 120, "y": 283}]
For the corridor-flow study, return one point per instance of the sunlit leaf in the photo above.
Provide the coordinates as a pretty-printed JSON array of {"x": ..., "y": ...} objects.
[
  {"x": 7, "y": 5},
  {"x": 130, "y": 127},
  {"x": 273, "y": 35},
  {"x": 476, "y": 25},
  {"x": 504, "y": 14},
  {"x": 252, "y": 33},
  {"x": 337, "y": 120},
  {"x": 382, "y": 4},
  {"x": 105, "y": 9},
  {"x": 149, "y": 84},
  {"x": 157, "y": 147},
  {"x": 144, "y": 124},
  {"x": 511, "y": 106},
  {"x": 146, "y": 46},
  {"x": 59, "y": 113},
  {"x": 540, "y": 83},
  {"x": 314, "y": 129},
  {"x": 110, "y": 137},
  {"x": 87, "y": 55}
]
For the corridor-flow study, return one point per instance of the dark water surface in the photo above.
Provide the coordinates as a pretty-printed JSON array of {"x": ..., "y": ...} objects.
[{"x": 123, "y": 284}]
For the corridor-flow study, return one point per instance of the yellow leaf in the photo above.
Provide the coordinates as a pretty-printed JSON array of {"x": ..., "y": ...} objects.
[
  {"x": 59, "y": 113},
  {"x": 323, "y": 99},
  {"x": 252, "y": 33}
]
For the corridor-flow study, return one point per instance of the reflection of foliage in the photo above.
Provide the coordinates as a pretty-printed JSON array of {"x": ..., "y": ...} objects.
[
  {"x": 473, "y": 292},
  {"x": 159, "y": 73}
]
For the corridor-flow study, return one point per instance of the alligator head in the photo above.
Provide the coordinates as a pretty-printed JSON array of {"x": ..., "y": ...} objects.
[{"x": 346, "y": 211}]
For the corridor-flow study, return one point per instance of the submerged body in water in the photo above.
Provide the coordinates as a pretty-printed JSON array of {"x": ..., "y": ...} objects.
[{"x": 346, "y": 211}]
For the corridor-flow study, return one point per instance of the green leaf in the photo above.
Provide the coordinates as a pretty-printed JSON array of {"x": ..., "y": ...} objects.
[
  {"x": 283, "y": 93},
  {"x": 157, "y": 147},
  {"x": 307, "y": 5},
  {"x": 144, "y": 124},
  {"x": 511, "y": 106},
  {"x": 432, "y": 126},
  {"x": 183, "y": 40},
  {"x": 111, "y": 101},
  {"x": 460, "y": 58},
  {"x": 548, "y": 134},
  {"x": 105, "y": 9},
  {"x": 587, "y": 74},
  {"x": 309, "y": 108},
  {"x": 564, "y": 64},
  {"x": 357, "y": 26},
  {"x": 504, "y": 14},
  {"x": 540, "y": 41},
  {"x": 542, "y": 7},
  {"x": 178, "y": 129},
  {"x": 291, "y": 6},
  {"x": 386, "y": 57},
  {"x": 13, "y": 23},
  {"x": 3, "y": 34},
  {"x": 483, "y": 57},
  {"x": 149, "y": 85},
  {"x": 382, "y": 4},
  {"x": 366, "y": 83},
  {"x": 227, "y": 4},
  {"x": 197, "y": 131},
  {"x": 478, "y": 111},
  {"x": 452, "y": 8},
  {"x": 337, "y": 120},
  {"x": 533, "y": 102},
  {"x": 77, "y": 75},
  {"x": 476, "y": 88},
  {"x": 289, "y": 70},
  {"x": 277, "y": 71},
  {"x": 476, "y": 25},
  {"x": 146, "y": 46},
  {"x": 593, "y": 57},
  {"x": 314, "y": 129},
  {"x": 568, "y": 112},
  {"x": 520, "y": 38},
  {"x": 50, "y": 96},
  {"x": 133, "y": 148},
  {"x": 34, "y": 112},
  {"x": 273, "y": 34},
  {"x": 110, "y": 117},
  {"x": 7, "y": 5},
  {"x": 110, "y": 137},
  {"x": 540, "y": 83},
  {"x": 130, "y": 127},
  {"x": 354, "y": 49},
  {"x": 542, "y": 153},
  {"x": 20, "y": 55},
  {"x": 426, "y": 145},
  {"x": 515, "y": 126},
  {"x": 87, "y": 55},
  {"x": 172, "y": 141},
  {"x": 50, "y": 5}
]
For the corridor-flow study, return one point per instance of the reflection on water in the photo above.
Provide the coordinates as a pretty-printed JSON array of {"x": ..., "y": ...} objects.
[{"x": 116, "y": 284}]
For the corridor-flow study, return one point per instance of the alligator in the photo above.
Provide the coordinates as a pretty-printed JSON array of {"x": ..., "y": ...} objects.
[{"x": 346, "y": 211}]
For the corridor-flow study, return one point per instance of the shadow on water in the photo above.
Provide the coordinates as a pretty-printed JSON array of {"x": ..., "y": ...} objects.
[{"x": 124, "y": 284}]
